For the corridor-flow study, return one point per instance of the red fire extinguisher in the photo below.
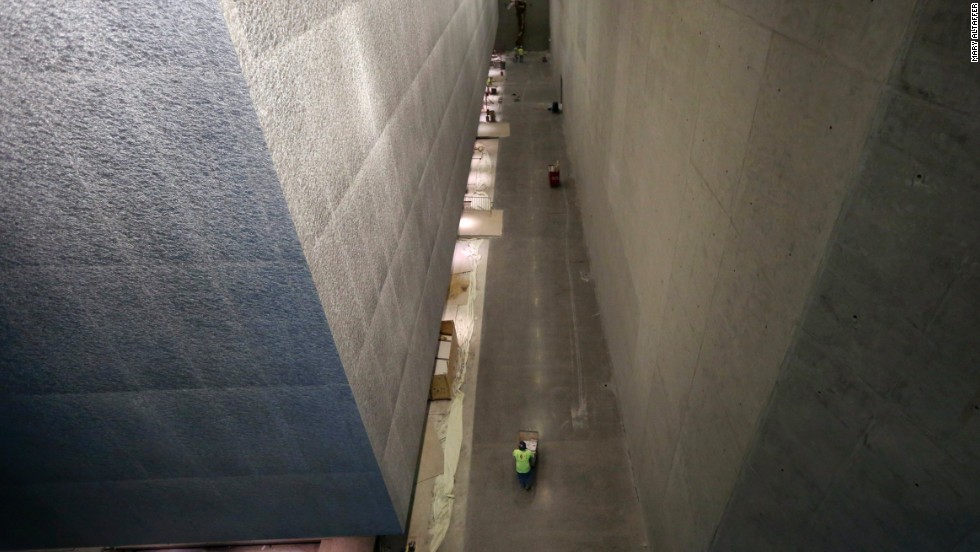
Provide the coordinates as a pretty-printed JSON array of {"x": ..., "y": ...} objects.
[{"x": 554, "y": 175}]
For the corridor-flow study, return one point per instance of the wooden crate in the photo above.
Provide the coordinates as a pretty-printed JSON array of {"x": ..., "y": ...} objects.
[{"x": 447, "y": 362}]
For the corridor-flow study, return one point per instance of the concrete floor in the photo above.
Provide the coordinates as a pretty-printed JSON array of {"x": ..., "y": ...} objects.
[{"x": 544, "y": 364}]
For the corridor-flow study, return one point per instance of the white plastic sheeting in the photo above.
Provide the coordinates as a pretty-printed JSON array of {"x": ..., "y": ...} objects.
[{"x": 451, "y": 430}]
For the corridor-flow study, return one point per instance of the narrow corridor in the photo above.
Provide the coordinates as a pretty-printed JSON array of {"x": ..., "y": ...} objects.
[{"x": 544, "y": 364}]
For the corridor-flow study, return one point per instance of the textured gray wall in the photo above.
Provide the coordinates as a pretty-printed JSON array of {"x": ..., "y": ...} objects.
[
  {"x": 716, "y": 143},
  {"x": 872, "y": 438},
  {"x": 166, "y": 369},
  {"x": 370, "y": 111}
]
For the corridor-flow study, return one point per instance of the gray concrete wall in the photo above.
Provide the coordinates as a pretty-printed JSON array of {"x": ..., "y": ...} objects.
[
  {"x": 167, "y": 373},
  {"x": 715, "y": 143},
  {"x": 872, "y": 437},
  {"x": 370, "y": 112}
]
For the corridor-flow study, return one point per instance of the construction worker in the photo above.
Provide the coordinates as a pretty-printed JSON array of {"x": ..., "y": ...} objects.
[
  {"x": 525, "y": 463},
  {"x": 519, "y": 53}
]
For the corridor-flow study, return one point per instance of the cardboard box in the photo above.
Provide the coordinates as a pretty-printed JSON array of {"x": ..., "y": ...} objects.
[{"x": 442, "y": 385}]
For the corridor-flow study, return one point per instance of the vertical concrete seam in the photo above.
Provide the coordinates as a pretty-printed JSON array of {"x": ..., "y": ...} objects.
[
  {"x": 840, "y": 468},
  {"x": 903, "y": 51},
  {"x": 730, "y": 212}
]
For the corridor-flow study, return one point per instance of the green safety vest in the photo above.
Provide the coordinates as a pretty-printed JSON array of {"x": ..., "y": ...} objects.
[{"x": 523, "y": 458}]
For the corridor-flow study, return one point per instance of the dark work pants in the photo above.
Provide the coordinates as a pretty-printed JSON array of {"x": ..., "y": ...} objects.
[{"x": 525, "y": 479}]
